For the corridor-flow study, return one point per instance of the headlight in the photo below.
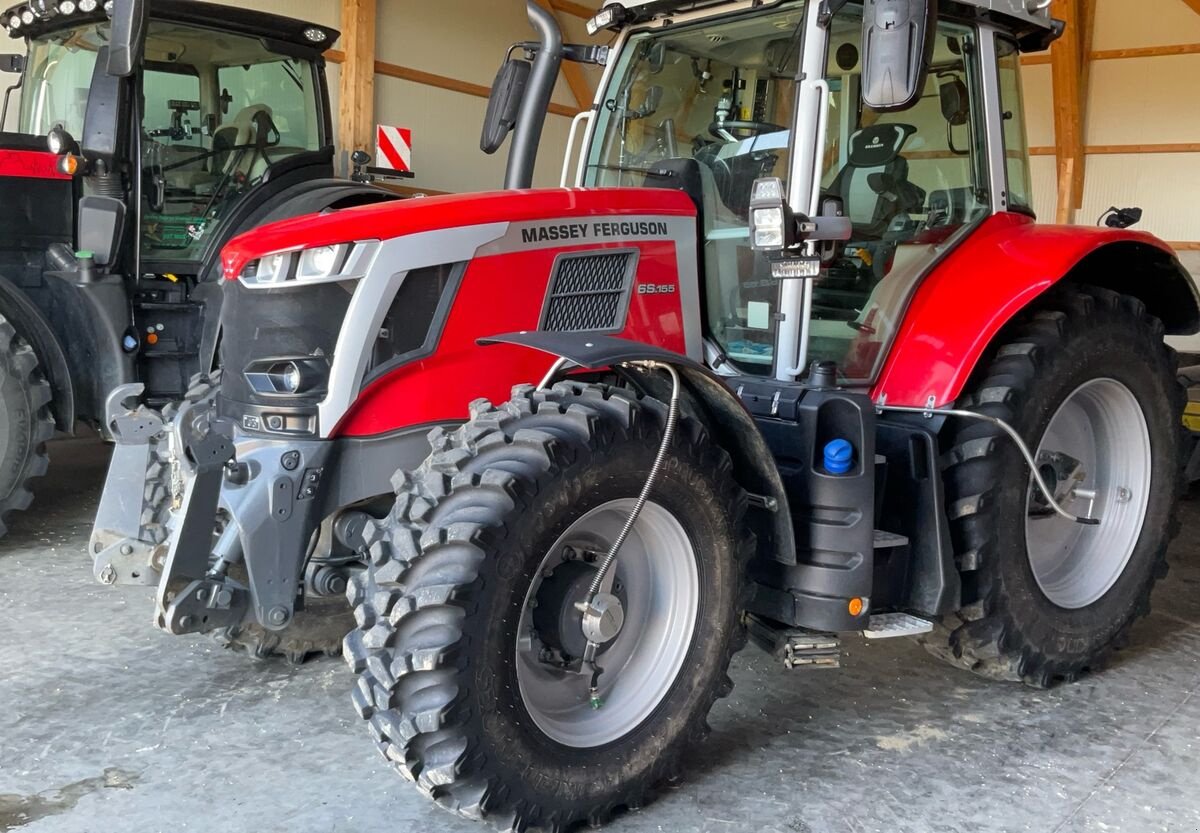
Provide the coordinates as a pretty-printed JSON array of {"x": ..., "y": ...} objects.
[
  {"x": 321, "y": 262},
  {"x": 274, "y": 268}
]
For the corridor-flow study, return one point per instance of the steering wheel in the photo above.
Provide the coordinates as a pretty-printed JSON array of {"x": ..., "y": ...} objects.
[{"x": 757, "y": 128}]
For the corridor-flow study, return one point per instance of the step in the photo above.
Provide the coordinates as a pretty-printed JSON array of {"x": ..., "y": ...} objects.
[
  {"x": 889, "y": 540},
  {"x": 892, "y": 625},
  {"x": 796, "y": 648}
]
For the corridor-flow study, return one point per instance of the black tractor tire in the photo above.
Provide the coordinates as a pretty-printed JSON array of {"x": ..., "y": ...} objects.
[
  {"x": 26, "y": 424},
  {"x": 315, "y": 631},
  {"x": 1007, "y": 628},
  {"x": 439, "y": 605}
]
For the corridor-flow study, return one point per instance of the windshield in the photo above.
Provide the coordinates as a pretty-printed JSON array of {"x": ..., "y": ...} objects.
[
  {"x": 59, "y": 75},
  {"x": 218, "y": 113}
]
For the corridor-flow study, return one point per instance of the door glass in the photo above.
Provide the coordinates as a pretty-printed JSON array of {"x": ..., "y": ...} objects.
[
  {"x": 1016, "y": 141},
  {"x": 58, "y": 79},
  {"x": 218, "y": 113},
  {"x": 908, "y": 181},
  {"x": 714, "y": 103}
]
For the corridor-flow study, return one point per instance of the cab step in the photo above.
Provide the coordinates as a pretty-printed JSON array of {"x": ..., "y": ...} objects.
[
  {"x": 795, "y": 647},
  {"x": 892, "y": 625}
]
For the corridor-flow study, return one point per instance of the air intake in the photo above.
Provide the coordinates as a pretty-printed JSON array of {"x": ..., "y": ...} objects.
[{"x": 589, "y": 292}]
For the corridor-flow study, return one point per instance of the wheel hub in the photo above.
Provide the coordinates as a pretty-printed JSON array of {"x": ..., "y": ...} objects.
[{"x": 562, "y": 620}]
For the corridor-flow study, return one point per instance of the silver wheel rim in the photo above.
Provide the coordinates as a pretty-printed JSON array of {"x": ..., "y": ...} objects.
[
  {"x": 1099, "y": 433},
  {"x": 657, "y": 571}
]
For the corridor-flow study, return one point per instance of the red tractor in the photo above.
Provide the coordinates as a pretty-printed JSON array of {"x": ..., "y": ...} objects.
[{"x": 800, "y": 363}]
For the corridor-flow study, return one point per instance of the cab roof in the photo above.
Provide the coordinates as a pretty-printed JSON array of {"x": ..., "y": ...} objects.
[
  {"x": 1031, "y": 24},
  {"x": 300, "y": 35}
]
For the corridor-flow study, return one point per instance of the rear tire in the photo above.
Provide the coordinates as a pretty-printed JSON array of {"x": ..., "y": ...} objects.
[
  {"x": 1046, "y": 600},
  {"x": 437, "y": 649},
  {"x": 25, "y": 422}
]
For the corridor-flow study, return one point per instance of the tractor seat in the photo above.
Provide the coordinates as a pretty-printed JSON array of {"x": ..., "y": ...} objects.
[
  {"x": 874, "y": 184},
  {"x": 234, "y": 143}
]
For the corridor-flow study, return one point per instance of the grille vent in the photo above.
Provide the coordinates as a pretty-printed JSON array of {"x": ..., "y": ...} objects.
[{"x": 589, "y": 292}]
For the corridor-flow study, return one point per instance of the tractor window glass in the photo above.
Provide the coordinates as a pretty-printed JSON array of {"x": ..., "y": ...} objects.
[
  {"x": 58, "y": 79},
  {"x": 1016, "y": 141},
  {"x": 909, "y": 181},
  {"x": 708, "y": 108},
  {"x": 218, "y": 112}
]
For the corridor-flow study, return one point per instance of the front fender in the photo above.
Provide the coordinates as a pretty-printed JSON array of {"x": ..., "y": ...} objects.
[
  {"x": 1006, "y": 264},
  {"x": 709, "y": 399}
]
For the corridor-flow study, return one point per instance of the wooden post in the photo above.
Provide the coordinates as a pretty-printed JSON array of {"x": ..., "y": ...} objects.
[
  {"x": 1087, "y": 33},
  {"x": 1065, "y": 62},
  {"x": 1194, "y": 5},
  {"x": 356, "y": 106}
]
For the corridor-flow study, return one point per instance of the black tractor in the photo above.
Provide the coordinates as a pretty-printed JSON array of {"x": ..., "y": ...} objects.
[{"x": 148, "y": 136}]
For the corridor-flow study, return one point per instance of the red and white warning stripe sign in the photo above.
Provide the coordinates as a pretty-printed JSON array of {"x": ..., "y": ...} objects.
[{"x": 393, "y": 147}]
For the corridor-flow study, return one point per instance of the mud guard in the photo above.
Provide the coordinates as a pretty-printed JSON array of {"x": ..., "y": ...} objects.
[
  {"x": 723, "y": 414},
  {"x": 120, "y": 555}
]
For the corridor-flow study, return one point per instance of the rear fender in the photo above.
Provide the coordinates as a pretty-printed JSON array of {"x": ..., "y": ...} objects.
[
  {"x": 707, "y": 398},
  {"x": 1001, "y": 269}
]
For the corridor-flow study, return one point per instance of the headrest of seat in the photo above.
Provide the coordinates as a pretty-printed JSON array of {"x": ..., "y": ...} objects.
[{"x": 878, "y": 145}]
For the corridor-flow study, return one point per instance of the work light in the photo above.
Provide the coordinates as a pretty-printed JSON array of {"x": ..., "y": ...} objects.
[
  {"x": 66, "y": 7},
  {"x": 87, "y": 6},
  {"x": 14, "y": 22},
  {"x": 772, "y": 227},
  {"x": 610, "y": 17}
]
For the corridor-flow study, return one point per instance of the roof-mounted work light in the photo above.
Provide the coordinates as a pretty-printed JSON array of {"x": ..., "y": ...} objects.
[{"x": 610, "y": 17}]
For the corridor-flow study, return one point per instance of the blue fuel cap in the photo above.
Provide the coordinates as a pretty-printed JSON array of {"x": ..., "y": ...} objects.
[{"x": 839, "y": 457}]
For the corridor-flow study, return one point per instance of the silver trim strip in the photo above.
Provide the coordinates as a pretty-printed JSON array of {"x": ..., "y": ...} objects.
[
  {"x": 373, "y": 295},
  {"x": 993, "y": 108}
]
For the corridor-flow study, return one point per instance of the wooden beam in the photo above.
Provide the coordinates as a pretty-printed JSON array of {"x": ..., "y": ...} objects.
[
  {"x": 576, "y": 78},
  {"x": 1122, "y": 150},
  {"x": 578, "y": 9},
  {"x": 441, "y": 82},
  {"x": 356, "y": 103},
  {"x": 1043, "y": 58},
  {"x": 1087, "y": 31},
  {"x": 1068, "y": 108}
]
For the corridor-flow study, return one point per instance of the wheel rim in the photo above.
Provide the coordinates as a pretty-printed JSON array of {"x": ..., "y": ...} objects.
[
  {"x": 1095, "y": 454},
  {"x": 658, "y": 580}
]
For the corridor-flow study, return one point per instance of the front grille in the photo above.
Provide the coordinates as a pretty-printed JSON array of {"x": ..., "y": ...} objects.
[{"x": 589, "y": 291}]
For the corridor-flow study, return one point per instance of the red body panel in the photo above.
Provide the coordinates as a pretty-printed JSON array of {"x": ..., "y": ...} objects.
[
  {"x": 500, "y": 294},
  {"x": 387, "y": 220},
  {"x": 976, "y": 290},
  {"x": 30, "y": 164}
]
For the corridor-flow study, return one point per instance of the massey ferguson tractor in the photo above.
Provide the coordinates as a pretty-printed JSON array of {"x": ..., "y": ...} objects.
[
  {"x": 131, "y": 169},
  {"x": 793, "y": 360}
]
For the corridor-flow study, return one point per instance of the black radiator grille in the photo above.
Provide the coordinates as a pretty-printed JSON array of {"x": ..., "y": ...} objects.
[{"x": 589, "y": 292}]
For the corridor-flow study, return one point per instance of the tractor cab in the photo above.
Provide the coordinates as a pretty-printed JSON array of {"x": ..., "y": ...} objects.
[{"x": 710, "y": 102}]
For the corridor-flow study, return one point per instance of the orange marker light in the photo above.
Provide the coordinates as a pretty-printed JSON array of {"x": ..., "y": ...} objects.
[
  {"x": 68, "y": 165},
  {"x": 152, "y": 338},
  {"x": 856, "y": 607}
]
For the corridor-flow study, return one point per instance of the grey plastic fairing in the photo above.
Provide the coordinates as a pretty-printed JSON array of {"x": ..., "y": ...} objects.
[
  {"x": 728, "y": 422},
  {"x": 275, "y": 519}
]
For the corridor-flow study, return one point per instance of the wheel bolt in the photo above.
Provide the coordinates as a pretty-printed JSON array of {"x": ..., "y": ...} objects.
[{"x": 1124, "y": 495}]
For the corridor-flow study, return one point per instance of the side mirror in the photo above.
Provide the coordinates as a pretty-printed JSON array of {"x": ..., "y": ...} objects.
[
  {"x": 504, "y": 104},
  {"x": 897, "y": 46},
  {"x": 102, "y": 122},
  {"x": 12, "y": 63},
  {"x": 653, "y": 100},
  {"x": 657, "y": 59},
  {"x": 128, "y": 37},
  {"x": 956, "y": 105}
]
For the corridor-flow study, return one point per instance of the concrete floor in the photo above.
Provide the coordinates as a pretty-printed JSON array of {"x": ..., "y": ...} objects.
[{"x": 107, "y": 725}]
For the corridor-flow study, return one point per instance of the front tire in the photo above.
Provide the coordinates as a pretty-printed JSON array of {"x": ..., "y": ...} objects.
[
  {"x": 447, "y": 679},
  {"x": 1088, "y": 382}
]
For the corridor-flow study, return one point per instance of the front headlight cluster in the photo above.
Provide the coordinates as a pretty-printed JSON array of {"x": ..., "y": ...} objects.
[{"x": 316, "y": 265}]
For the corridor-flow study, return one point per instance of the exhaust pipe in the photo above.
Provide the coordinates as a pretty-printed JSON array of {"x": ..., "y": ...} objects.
[{"x": 540, "y": 89}]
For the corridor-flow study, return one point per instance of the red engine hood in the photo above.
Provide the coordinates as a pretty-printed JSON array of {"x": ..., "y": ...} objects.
[{"x": 395, "y": 219}]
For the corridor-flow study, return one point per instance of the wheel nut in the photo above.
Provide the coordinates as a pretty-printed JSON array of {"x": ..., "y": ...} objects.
[{"x": 1124, "y": 495}]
